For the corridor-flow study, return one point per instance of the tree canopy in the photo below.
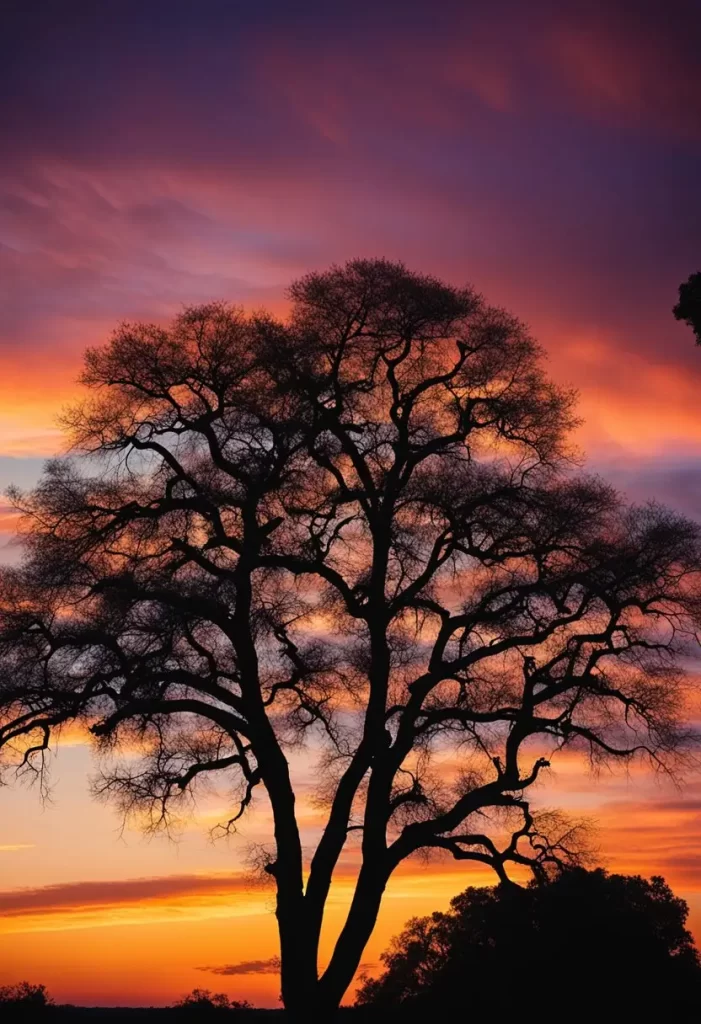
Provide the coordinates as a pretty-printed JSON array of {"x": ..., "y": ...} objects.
[
  {"x": 360, "y": 529},
  {"x": 618, "y": 941},
  {"x": 688, "y": 308}
]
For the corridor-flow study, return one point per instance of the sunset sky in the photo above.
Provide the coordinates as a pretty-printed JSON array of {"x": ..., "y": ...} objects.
[{"x": 172, "y": 151}]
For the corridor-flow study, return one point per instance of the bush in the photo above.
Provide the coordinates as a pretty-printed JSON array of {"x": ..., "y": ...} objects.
[
  {"x": 23, "y": 1000},
  {"x": 201, "y": 1000},
  {"x": 619, "y": 941}
]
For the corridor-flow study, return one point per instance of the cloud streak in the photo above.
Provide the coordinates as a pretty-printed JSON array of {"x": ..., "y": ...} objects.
[
  {"x": 269, "y": 966},
  {"x": 135, "y": 901},
  {"x": 83, "y": 895}
]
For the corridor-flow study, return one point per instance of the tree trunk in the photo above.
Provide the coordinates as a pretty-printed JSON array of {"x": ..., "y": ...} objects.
[
  {"x": 299, "y": 981},
  {"x": 354, "y": 936},
  {"x": 302, "y": 995},
  {"x": 309, "y": 1011}
]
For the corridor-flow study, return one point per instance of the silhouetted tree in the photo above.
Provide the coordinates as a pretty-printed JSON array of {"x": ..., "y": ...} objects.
[
  {"x": 24, "y": 1002},
  {"x": 361, "y": 529},
  {"x": 688, "y": 308},
  {"x": 614, "y": 941},
  {"x": 201, "y": 1001}
]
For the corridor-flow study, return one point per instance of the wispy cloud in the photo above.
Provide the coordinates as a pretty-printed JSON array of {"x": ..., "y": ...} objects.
[
  {"x": 137, "y": 900},
  {"x": 269, "y": 966},
  {"x": 624, "y": 70}
]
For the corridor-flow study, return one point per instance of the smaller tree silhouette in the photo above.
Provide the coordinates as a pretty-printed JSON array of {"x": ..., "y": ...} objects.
[
  {"x": 201, "y": 1000},
  {"x": 688, "y": 308},
  {"x": 620, "y": 938},
  {"x": 23, "y": 1001}
]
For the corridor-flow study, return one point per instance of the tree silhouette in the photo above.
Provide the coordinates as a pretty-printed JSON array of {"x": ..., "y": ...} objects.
[
  {"x": 688, "y": 308},
  {"x": 201, "y": 1002},
  {"x": 24, "y": 1002},
  {"x": 359, "y": 529},
  {"x": 620, "y": 938}
]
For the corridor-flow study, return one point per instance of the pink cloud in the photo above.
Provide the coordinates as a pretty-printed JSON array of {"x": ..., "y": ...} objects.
[{"x": 621, "y": 70}]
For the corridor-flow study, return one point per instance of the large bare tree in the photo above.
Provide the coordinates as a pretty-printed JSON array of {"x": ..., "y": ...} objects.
[{"x": 361, "y": 530}]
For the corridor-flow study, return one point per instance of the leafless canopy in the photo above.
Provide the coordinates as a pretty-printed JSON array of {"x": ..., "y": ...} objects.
[{"x": 360, "y": 529}]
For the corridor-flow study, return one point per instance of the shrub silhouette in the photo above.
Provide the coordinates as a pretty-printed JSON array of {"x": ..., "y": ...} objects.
[
  {"x": 607, "y": 940},
  {"x": 23, "y": 1001},
  {"x": 202, "y": 1001},
  {"x": 688, "y": 308}
]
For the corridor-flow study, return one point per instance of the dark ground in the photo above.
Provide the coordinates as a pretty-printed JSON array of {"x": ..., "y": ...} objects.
[{"x": 168, "y": 1015}]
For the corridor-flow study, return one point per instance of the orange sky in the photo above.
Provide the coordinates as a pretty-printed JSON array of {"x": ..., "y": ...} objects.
[
  {"x": 105, "y": 916},
  {"x": 154, "y": 159}
]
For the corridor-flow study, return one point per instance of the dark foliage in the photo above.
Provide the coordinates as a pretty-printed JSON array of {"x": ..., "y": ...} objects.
[
  {"x": 23, "y": 1001},
  {"x": 688, "y": 308},
  {"x": 361, "y": 530},
  {"x": 201, "y": 1002},
  {"x": 604, "y": 940},
  {"x": 67, "y": 1014},
  {"x": 27, "y": 1002}
]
